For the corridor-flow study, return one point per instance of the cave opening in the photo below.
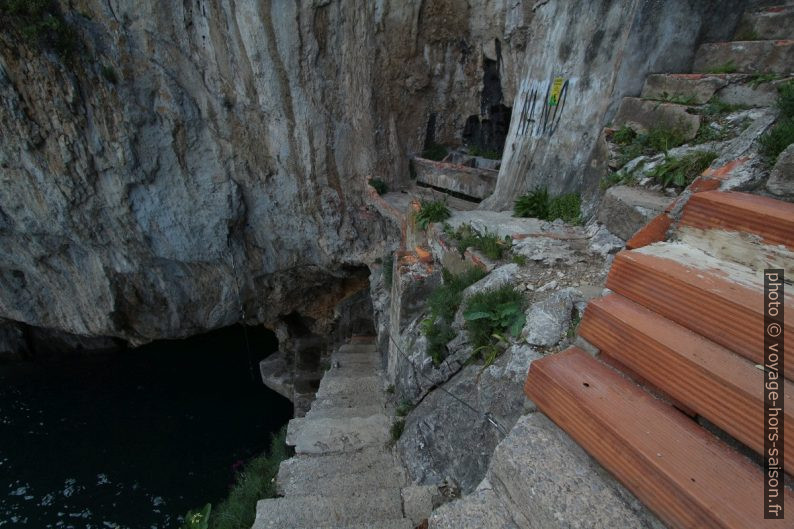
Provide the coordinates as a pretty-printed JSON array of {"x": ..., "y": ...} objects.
[{"x": 134, "y": 438}]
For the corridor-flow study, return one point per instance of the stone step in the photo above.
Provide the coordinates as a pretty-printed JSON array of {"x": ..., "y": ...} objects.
[
  {"x": 325, "y": 466},
  {"x": 365, "y": 396},
  {"x": 772, "y": 220},
  {"x": 308, "y": 512},
  {"x": 697, "y": 88},
  {"x": 761, "y": 56},
  {"x": 345, "y": 483},
  {"x": 335, "y": 412},
  {"x": 482, "y": 509},
  {"x": 402, "y": 523},
  {"x": 624, "y": 209},
  {"x": 775, "y": 22},
  {"x": 719, "y": 300},
  {"x": 477, "y": 183},
  {"x": 331, "y": 435},
  {"x": 331, "y": 385},
  {"x": 644, "y": 115},
  {"x": 358, "y": 348},
  {"x": 678, "y": 469},
  {"x": 706, "y": 378},
  {"x": 356, "y": 359}
]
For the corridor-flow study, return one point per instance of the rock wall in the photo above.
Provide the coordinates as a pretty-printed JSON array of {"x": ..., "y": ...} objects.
[
  {"x": 188, "y": 152},
  {"x": 598, "y": 52}
]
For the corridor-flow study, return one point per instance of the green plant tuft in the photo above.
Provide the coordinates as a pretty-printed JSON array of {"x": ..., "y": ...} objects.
[
  {"x": 431, "y": 211},
  {"x": 403, "y": 409},
  {"x": 632, "y": 145},
  {"x": 435, "y": 152},
  {"x": 760, "y": 78},
  {"x": 489, "y": 244},
  {"x": 443, "y": 303},
  {"x": 678, "y": 99},
  {"x": 781, "y": 135},
  {"x": 538, "y": 204},
  {"x": 520, "y": 260},
  {"x": 727, "y": 67},
  {"x": 41, "y": 22},
  {"x": 397, "y": 428},
  {"x": 718, "y": 107},
  {"x": 679, "y": 172},
  {"x": 492, "y": 315},
  {"x": 484, "y": 153},
  {"x": 379, "y": 185},
  {"x": 256, "y": 481}
]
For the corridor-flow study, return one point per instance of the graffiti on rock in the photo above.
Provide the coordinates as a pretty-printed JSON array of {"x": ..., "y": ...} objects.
[{"x": 542, "y": 105}]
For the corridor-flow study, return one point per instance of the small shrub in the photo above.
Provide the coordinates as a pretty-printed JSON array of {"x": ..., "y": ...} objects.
[
  {"x": 396, "y": 430},
  {"x": 491, "y": 315},
  {"x": 483, "y": 153},
  {"x": 443, "y": 303},
  {"x": 633, "y": 145},
  {"x": 534, "y": 204},
  {"x": 679, "y": 172},
  {"x": 256, "y": 481},
  {"x": 379, "y": 185},
  {"x": 718, "y": 107},
  {"x": 662, "y": 139},
  {"x": 431, "y": 211},
  {"x": 760, "y": 78},
  {"x": 727, "y": 67},
  {"x": 785, "y": 99},
  {"x": 198, "y": 519},
  {"x": 624, "y": 135},
  {"x": 403, "y": 409},
  {"x": 489, "y": 244},
  {"x": 110, "y": 74},
  {"x": 567, "y": 207},
  {"x": 537, "y": 204},
  {"x": 777, "y": 139},
  {"x": 520, "y": 260},
  {"x": 40, "y": 21},
  {"x": 435, "y": 152}
]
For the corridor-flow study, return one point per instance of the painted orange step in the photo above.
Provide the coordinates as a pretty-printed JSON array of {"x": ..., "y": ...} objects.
[
  {"x": 685, "y": 475},
  {"x": 716, "y": 299},
  {"x": 772, "y": 220},
  {"x": 708, "y": 379}
]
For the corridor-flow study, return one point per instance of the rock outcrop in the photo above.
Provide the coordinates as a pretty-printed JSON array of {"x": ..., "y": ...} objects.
[{"x": 185, "y": 159}]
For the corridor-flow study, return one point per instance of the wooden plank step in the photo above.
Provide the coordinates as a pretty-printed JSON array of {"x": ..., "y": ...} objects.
[
  {"x": 679, "y": 470},
  {"x": 716, "y": 299},
  {"x": 770, "y": 219},
  {"x": 710, "y": 380}
]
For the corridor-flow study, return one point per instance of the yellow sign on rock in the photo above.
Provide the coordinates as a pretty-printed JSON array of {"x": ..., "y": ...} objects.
[{"x": 556, "y": 88}]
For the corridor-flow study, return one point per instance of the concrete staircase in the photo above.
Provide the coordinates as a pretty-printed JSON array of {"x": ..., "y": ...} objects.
[
  {"x": 679, "y": 339},
  {"x": 344, "y": 474}
]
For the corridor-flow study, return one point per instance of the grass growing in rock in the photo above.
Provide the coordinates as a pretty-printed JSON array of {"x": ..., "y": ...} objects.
[
  {"x": 632, "y": 145},
  {"x": 41, "y": 22},
  {"x": 489, "y": 244},
  {"x": 388, "y": 269},
  {"x": 403, "y": 409},
  {"x": 396, "y": 430},
  {"x": 781, "y": 135},
  {"x": 435, "y": 152},
  {"x": 256, "y": 481},
  {"x": 538, "y": 204},
  {"x": 443, "y": 303},
  {"x": 726, "y": 67},
  {"x": 484, "y": 153},
  {"x": 490, "y": 317},
  {"x": 679, "y": 172},
  {"x": 431, "y": 211}
]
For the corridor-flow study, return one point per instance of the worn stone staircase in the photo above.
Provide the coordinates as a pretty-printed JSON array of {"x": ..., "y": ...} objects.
[
  {"x": 678, "y": 342},
  {"x": 722, "y": 107},
  {"x": 344, "y": 474}
]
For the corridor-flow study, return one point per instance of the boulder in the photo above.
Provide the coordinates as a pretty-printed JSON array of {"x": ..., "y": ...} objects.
[
  {"x": 781, "y": 179},
  {"x": 624, "y": 209},
  {"x": 548, "y": 321}
]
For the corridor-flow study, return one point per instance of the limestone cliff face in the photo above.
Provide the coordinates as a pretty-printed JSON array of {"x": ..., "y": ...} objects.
[
  {"x": 598, "y": 52},
  {"x": 233, "y": 148}
]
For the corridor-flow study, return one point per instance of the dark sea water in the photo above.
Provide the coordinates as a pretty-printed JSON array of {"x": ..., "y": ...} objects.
[{"x": 132, "y": 439}]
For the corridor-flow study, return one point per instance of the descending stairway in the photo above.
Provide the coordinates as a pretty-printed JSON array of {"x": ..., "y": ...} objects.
[
  {"x": 679, "y": 338},
  {"x": 344, "y": 475}
]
